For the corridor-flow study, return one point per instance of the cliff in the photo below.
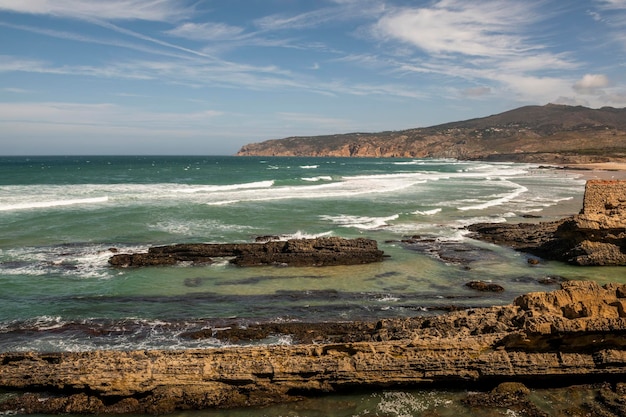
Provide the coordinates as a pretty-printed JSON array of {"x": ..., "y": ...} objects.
[
  {"x": 570, "y": 334},
  {"x": 550, "y": 133}
]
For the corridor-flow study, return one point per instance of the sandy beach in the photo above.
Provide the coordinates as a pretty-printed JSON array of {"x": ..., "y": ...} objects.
[{"x": 600, "y": 170}]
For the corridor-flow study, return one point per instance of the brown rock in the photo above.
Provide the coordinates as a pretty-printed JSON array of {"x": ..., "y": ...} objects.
[
  {"x": 596, "y": 236},
  {"x": 576, "y": 331},
  {"x": 295, "y": 252}
]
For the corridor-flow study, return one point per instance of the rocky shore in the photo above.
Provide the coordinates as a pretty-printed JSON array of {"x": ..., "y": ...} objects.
[
  {"x": 573, "y": 334},
  {"x": 596, "y": 236}
]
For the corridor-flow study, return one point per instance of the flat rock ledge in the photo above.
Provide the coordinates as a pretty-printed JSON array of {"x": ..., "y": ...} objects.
[
  {"x": 576, "y": 333},
  {"x": 324, "y": 251},
  {"x": 596, "y": 236}
]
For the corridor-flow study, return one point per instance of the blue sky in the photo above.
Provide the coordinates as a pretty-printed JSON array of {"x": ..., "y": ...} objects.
[{"x": 208, "y": 76}]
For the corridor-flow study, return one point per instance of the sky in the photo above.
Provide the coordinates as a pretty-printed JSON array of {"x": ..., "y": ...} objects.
[{"x": 204, "y": 77}]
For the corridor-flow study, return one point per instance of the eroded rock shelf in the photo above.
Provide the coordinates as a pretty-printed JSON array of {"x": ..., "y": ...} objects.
[{"x": 572, "y": 332}]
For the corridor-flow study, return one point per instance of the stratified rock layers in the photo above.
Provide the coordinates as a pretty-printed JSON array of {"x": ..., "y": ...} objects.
[
  {"x": 577, "y": 331},
  {"x": 596, "y": 236}
]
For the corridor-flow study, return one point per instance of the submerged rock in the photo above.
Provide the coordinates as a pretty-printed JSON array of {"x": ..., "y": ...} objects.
[
  {"x": 323, "y": 251},
  {"x": 596, "y": 236},
  {"x": 484, "y": 286}
]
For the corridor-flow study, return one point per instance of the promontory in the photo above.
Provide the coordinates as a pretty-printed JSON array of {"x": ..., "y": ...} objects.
[{"x": 552, "y": 133}]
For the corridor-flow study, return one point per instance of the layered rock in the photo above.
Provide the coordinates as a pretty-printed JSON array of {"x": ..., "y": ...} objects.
[
  {"x": 596, "y": 236},
  {"x": 323, "y": 251},
  {"x": 575, "y": 332}
]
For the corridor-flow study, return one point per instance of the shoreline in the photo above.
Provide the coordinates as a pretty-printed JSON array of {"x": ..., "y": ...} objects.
[{"x": 599, "y": 170}]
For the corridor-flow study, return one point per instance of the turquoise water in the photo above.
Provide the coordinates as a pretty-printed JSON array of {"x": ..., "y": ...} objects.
[{"x": 61, "y": 216}]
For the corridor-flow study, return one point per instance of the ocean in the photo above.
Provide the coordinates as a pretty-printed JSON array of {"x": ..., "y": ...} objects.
[{"x": 61, "y": 218}]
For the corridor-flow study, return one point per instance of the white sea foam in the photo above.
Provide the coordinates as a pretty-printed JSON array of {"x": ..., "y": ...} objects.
[
  {"x": 79, "y": 261},
  {"x": 315, "y": 179},
  {"x": 198, "y": 227},
  {"x": 230, "y": 187},
  {"x": 303, "y": 235},
  {"x": 52, "y": 203},
  {"x": 349, "y": 186},
  {"x": 497, "y": 199},
  {"x": 401, "y": 404},
  {"x": 309, "y": 166},
  {"x": 428, "y": 212},
  {"x": 360, "y": 222}
]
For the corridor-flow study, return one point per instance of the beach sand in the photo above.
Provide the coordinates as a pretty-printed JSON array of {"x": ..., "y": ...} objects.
[{"x": 600, "y": 170}]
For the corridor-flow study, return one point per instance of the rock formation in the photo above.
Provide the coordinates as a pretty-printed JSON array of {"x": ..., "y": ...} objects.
[
  {"x": 324, "y": 251},
  {"x": 574, "y": 333},
  {"x": 596, "y": 236},
  {"x": 548, "y": 134}
]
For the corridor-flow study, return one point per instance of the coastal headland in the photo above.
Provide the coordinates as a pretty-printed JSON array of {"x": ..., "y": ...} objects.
[
  {"x": 573, "y": 335},
  {"x": 550, "y": 134}
]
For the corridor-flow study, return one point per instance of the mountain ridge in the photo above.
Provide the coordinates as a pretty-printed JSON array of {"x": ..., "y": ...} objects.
[{"x": 552, "y": 133}]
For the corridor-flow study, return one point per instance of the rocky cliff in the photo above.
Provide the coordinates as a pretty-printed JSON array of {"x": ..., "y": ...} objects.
[
  {"x": 596, "y": 236},
  {"x": 570, "y": 334},
  {"x": 551, "y": 133}
]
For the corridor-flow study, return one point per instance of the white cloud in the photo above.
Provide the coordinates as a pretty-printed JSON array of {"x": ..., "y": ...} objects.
[
  {"x": 612, "y": 4},
  {"x": 486, "y": 28},
  {"x": 534, "y": 89},
  {"x": 591, "y": 84},
  {"x": 342, "y": 11},
  {"x": 17, "y": 90},
  {"x": 208, "y": 31},
  {"x": 153, "y": 10},
  {"x": 101, "y": 114}
]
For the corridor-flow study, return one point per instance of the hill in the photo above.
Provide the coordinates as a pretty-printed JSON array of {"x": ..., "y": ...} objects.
[{"x": 551, "y": 134}]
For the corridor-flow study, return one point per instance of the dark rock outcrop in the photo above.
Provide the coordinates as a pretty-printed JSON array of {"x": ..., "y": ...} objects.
[
  {"x": 596, "y": 236},
  {"x": 575, "y": 333},
  {"x": 324, "y": 251},
  {"x": 484, "y": 286},
  {"x": 555, "y": 134}
]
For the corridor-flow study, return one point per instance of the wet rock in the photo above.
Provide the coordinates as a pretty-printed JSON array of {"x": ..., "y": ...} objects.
[
  {"x": 448, "y": 251},
  {"x": 508, "y": 395},
  {"x": 551, "y": 280},
  {"x": 484, "y": 286},
  {"x": 323, "y": 251}
]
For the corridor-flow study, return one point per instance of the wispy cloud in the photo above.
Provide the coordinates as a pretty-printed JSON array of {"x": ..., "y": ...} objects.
[
  {"x": 207, "y": 31},
  {"x": 101, "y": 115},
  {"x": 613, "y": 14},
  {"x": 152, "y": 10},
  {"x": 488, "y": 28},
  {"x": 341, "y": 11},
  {"x": 483, "y": 42},
  {"x": 14, "y": 90}
]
